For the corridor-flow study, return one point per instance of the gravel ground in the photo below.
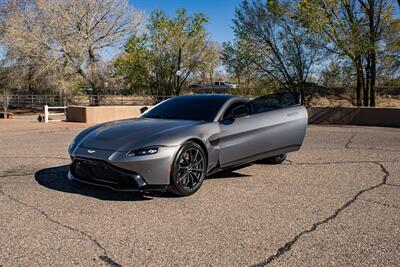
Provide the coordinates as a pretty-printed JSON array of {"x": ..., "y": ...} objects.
[{"x": 333, "y": 203}]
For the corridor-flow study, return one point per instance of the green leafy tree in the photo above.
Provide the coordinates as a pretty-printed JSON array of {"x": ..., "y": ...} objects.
[
  {"x": 170, "y": 44},
  {"x": 378, "y": 15},
  {"x": 211, "y": 60},
  {"x": 133, "y": 64},
  {"x": 339, "y": 25},
  {"x": 354, "y": 29}
]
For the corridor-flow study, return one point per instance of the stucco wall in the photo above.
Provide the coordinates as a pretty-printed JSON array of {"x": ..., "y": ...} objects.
[
  {"x": 102, "y": 113},
  {"x": 317, "y": 115}
]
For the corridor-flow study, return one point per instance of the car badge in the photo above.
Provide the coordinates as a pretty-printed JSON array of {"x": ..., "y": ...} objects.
[{"x": 91, "y": 151}]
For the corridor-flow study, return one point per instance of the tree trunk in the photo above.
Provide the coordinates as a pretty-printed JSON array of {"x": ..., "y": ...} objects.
[
  {"x": 302, "y": 98},
  {"x": 372, "y": 50},
  {"x": 373, "y": 79},
  {"x": 367, "y": 83},
  {"x": 359, "y": 84},
  {"x": 299, "y": 87},
  {"x": 94, "y": 81}
]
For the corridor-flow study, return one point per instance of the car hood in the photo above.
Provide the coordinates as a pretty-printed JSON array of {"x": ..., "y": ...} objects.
[{"x": 125, "y": 135}]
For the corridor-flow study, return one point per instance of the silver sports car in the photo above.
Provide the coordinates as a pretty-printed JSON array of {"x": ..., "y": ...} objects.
[{"x": 177, "y": 143}]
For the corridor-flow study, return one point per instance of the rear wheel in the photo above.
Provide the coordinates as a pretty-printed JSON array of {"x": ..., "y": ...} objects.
[
  {"x": 278, "y": 159},
  {"x": 188, "y": 170}
]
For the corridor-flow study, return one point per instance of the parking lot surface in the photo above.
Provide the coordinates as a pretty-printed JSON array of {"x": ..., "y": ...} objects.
[{"x": 335, "y": 202}]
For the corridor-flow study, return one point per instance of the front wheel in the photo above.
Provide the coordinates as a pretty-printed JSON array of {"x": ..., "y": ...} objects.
[
  {"x": 188, "y": 170},
  {"x": 278, "y": 159}
]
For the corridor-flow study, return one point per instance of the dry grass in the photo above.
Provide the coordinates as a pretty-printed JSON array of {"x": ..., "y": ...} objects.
[{"x": 334, "y": 101}]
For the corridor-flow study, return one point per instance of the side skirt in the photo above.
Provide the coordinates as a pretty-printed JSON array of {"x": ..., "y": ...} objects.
[{"x": 253, "y": 158}]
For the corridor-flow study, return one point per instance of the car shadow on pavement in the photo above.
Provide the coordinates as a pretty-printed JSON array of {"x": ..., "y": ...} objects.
[
  {"x": 55, "y": 178},
  {"x": 229, "y": 173}
]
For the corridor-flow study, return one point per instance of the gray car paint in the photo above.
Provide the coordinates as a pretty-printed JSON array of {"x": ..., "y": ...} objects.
[
  {"x": 246, "y": 139},
  {"x": 256, "y": 134}
]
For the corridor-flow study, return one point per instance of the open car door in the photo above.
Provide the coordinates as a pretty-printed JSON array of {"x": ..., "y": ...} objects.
[{"x": 275, "y": 124}]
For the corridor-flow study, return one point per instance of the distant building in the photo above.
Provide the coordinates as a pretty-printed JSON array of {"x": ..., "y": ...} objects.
[{"x": 212, "y": 88}]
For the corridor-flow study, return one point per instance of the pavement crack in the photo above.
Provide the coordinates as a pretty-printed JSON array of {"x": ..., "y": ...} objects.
[
  {"x": 289, "y": 161},
  {"x": 38, "y": 131},
  {"x": 28, "y": 174},
  {"x": 352, "y": 148},
  {"x": 105, "y": 258},
  {"x": 350, "y": 141},
  {"x": 16, "y": 175},
  {"x": 381, "y": 203},
  {"x": 109, "y": 261},
  {"x": 337, "y": 162},
  {"x": 288, "y": 245},
  {"x": 395, "y": 185},
  {"x": 18, "y": 157}
]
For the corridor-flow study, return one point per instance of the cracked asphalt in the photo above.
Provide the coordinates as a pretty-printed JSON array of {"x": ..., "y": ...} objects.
[{"x": 335, "y": 202}]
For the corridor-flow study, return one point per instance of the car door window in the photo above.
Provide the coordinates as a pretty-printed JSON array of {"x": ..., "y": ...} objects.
[
  {"x": 234, "y": 106},
  {"x": 273, "y": 102}
]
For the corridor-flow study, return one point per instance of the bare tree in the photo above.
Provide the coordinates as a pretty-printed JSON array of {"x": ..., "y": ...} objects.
[
  {"x": 276, "y": 43},
  {"x": 72, "y": 34}
]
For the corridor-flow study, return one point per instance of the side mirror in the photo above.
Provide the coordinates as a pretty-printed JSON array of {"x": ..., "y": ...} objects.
[
  {"x": 236, "y": 113},
  {"x": 143, "y": 110}
]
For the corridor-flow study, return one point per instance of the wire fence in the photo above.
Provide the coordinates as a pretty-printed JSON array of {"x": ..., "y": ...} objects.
[{"x": 39, "y": 101}]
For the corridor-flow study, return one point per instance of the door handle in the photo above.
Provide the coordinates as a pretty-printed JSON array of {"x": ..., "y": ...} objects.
[{"x": 292, "y": 114}]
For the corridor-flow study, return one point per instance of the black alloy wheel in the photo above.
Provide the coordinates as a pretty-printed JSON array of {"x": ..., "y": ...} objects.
[{"x": 189, "y": 169}]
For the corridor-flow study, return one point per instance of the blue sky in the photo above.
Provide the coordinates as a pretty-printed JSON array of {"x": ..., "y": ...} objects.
[{"x": 219, "y": 12}]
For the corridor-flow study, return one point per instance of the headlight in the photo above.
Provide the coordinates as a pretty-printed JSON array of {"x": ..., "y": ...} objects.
[{"x": 142, "y": 152}]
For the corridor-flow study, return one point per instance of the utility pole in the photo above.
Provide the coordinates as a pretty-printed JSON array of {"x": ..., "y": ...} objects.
[{"x": 178, "y": 76}]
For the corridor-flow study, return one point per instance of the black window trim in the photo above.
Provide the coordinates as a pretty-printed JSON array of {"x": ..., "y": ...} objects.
[
  {"x": 281, "y": 93},
  {"x": 221, "y": 117}
]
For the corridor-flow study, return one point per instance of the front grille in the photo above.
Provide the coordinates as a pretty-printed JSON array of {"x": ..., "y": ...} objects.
[{"x": 102, "y": 173}]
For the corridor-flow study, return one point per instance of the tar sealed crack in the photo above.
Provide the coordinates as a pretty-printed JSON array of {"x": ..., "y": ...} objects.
[
  {"x": 350, "y": 141},
  {"x": 105, "y": 258},
  {"x": 109, "y": 261},
  {"x": 288, "y": 245}
]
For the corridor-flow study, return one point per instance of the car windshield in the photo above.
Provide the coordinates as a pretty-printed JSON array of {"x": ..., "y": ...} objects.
[{"x": 187, "y": 108}]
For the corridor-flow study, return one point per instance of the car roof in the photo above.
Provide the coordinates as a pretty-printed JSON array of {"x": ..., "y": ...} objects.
[
  {"x": 225, "y": 97},
  {"x": 208, "y": 96}
]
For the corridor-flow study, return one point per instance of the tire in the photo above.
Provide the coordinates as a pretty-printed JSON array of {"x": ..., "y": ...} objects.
[
  {"x": 278, "y": 159},
  {"x": 188, "y": 170}
]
